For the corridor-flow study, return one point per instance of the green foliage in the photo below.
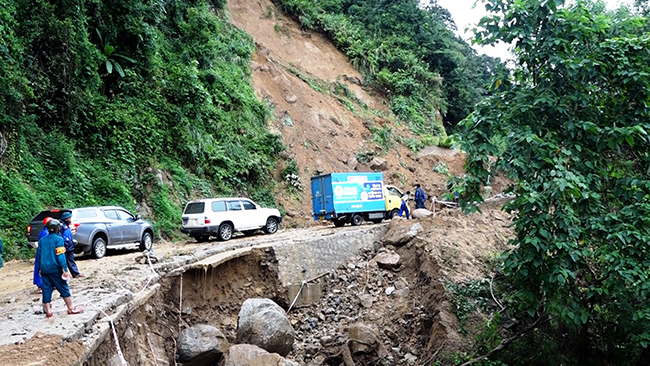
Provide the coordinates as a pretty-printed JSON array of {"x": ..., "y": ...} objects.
[
  {"x": 575, "y": 117},
  {"x": 291, "y": 177},
  {"x": 467, "y": 298},
  {"x": 167, "y": 213},
  {"x": 365, "y": 156},
  {"x": 268, "y": 12},
  {"x": 408, "y": 52},
  {"x": 347, "y": 97},
  {"x": 413, "y": 143},
  {"x": 282, "y": 29},
  {"x": 489, "y": 337},
  {"x": 111, "y": 57},
  {"x": 99, "y": 99},
  {"x": 383, "y": 136},
  {"x": 441, "y": 168}
]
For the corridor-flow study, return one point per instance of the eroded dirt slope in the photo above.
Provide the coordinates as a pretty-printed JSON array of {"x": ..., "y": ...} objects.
[{"x": 301, "y": 75}]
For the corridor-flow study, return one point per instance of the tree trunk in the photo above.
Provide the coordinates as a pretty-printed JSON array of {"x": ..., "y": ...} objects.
[{"x": 584, "y": 349}]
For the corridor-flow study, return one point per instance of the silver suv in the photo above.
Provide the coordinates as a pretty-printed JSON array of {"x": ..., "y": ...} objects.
[
  {"x": 221, "y": 217},
  {"x": 96, "y": 229}
]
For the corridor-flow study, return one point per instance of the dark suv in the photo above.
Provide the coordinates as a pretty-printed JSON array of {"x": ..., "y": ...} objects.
[{"x": 96, "y": 229}]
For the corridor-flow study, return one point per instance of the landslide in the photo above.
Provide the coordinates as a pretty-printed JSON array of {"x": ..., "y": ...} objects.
[
  {"x": 329, "y": 119},
  {"x": 410, "y": 309},
  {"x": 413, "y": 308}
]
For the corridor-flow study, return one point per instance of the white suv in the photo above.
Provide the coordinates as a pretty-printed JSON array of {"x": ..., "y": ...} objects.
[{"x": 221, "y": 217}]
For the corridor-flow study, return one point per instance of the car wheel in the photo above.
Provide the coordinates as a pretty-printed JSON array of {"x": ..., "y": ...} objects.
[
  {"x": 394, "y": 213},
  {"x": 225, "y": 231},
  {"x": 202, "y": 238},
  {"x": 271, "y": 225},
  {"x": 147, "y": 242},
  {"x": 99, "y": 248},
  {"x": 249, "y": 232},
  {"x": 339, "y": 222},
  {"x": 357, "y": 220}
]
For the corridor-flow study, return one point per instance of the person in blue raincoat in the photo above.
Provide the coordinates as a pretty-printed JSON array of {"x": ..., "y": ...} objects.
[
  {"x": 53, "y": 268},
  {"x": 420, "y": 196},
  {"x": 38, "y": 281},
  {"x": 66, "y": 232}
]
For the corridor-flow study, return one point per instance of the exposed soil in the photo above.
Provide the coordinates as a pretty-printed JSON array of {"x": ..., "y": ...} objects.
[
  {"x": 321, "y": 134},
  {"x": 42, "y": 349},
  {"x": 414, "y": 322},
  {"x": 408, "y": 306}
]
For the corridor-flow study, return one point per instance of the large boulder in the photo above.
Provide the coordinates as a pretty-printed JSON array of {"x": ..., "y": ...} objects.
[
  {"x": 420, "y": 213},
  {"x": 388, "y": 260},
  {"x": 250, "y": 355},
  {"x": 201, "y": 344},
  {"x": 401, "y": 232},
  {"x": 265, "y": 324},
  {"x": 379, "y": 164},
  {"x": 365, "y": 338}
]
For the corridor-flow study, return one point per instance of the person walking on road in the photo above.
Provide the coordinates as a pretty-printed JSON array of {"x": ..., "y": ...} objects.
[
  {"x": 68, "y": 241},
  {"x": 404, "y": 207},
  {"x": 54, "y": 269},
  {"x": 420, "y": 196}
]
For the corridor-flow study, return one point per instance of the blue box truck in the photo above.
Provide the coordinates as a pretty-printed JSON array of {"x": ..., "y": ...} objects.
[{"x": 348, "y": 198}]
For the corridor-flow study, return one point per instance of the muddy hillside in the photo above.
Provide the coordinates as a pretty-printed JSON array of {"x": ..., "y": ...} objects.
[{"x": 325, "y": 113}]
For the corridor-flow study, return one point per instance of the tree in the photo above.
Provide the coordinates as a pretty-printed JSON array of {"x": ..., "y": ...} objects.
[{"x": 569, "y": 127}]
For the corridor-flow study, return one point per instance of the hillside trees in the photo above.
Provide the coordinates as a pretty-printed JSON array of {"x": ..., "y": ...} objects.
[
  {"x": 407, "y": 51},
  {"x": 177, "y": 119},
  {"x": 571, "y": 129}
]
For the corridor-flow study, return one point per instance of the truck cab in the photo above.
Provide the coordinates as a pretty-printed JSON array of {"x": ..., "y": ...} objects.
[{"x": 393, "y": 200}]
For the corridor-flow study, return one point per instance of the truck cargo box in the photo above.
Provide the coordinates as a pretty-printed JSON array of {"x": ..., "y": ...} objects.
[{"x": 335, "y": 194}]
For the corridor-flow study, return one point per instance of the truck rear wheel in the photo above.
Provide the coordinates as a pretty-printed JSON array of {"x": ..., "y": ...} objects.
[
  {"x": 225, "y": 231},
  {"x": 377, "y": 221},
  {"x": 339, "y": 222},
  {"x": 356, "y": 220}
]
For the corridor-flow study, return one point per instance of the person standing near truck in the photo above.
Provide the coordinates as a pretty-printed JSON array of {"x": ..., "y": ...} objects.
[
  {"x": 404, "y": 207},
  {"x": 66, "y": 232},
  {"x": 420, "y": 196}
]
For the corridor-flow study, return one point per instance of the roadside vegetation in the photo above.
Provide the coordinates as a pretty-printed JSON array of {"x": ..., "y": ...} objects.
[
  {"x": 570, "y": 127},
  {"x": 128, "y": 103}
]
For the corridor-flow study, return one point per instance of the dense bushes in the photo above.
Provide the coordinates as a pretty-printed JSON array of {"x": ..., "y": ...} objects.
[
  {"x": 181, "y": 122},
  {"x": 407, "y": 51}
]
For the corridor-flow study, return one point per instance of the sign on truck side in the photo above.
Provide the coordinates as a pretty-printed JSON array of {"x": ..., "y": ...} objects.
[{"x": 348, "y": 197}]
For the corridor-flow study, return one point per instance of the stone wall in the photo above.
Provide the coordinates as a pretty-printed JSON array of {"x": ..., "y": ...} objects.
[{"x": 306, "y": 259}]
